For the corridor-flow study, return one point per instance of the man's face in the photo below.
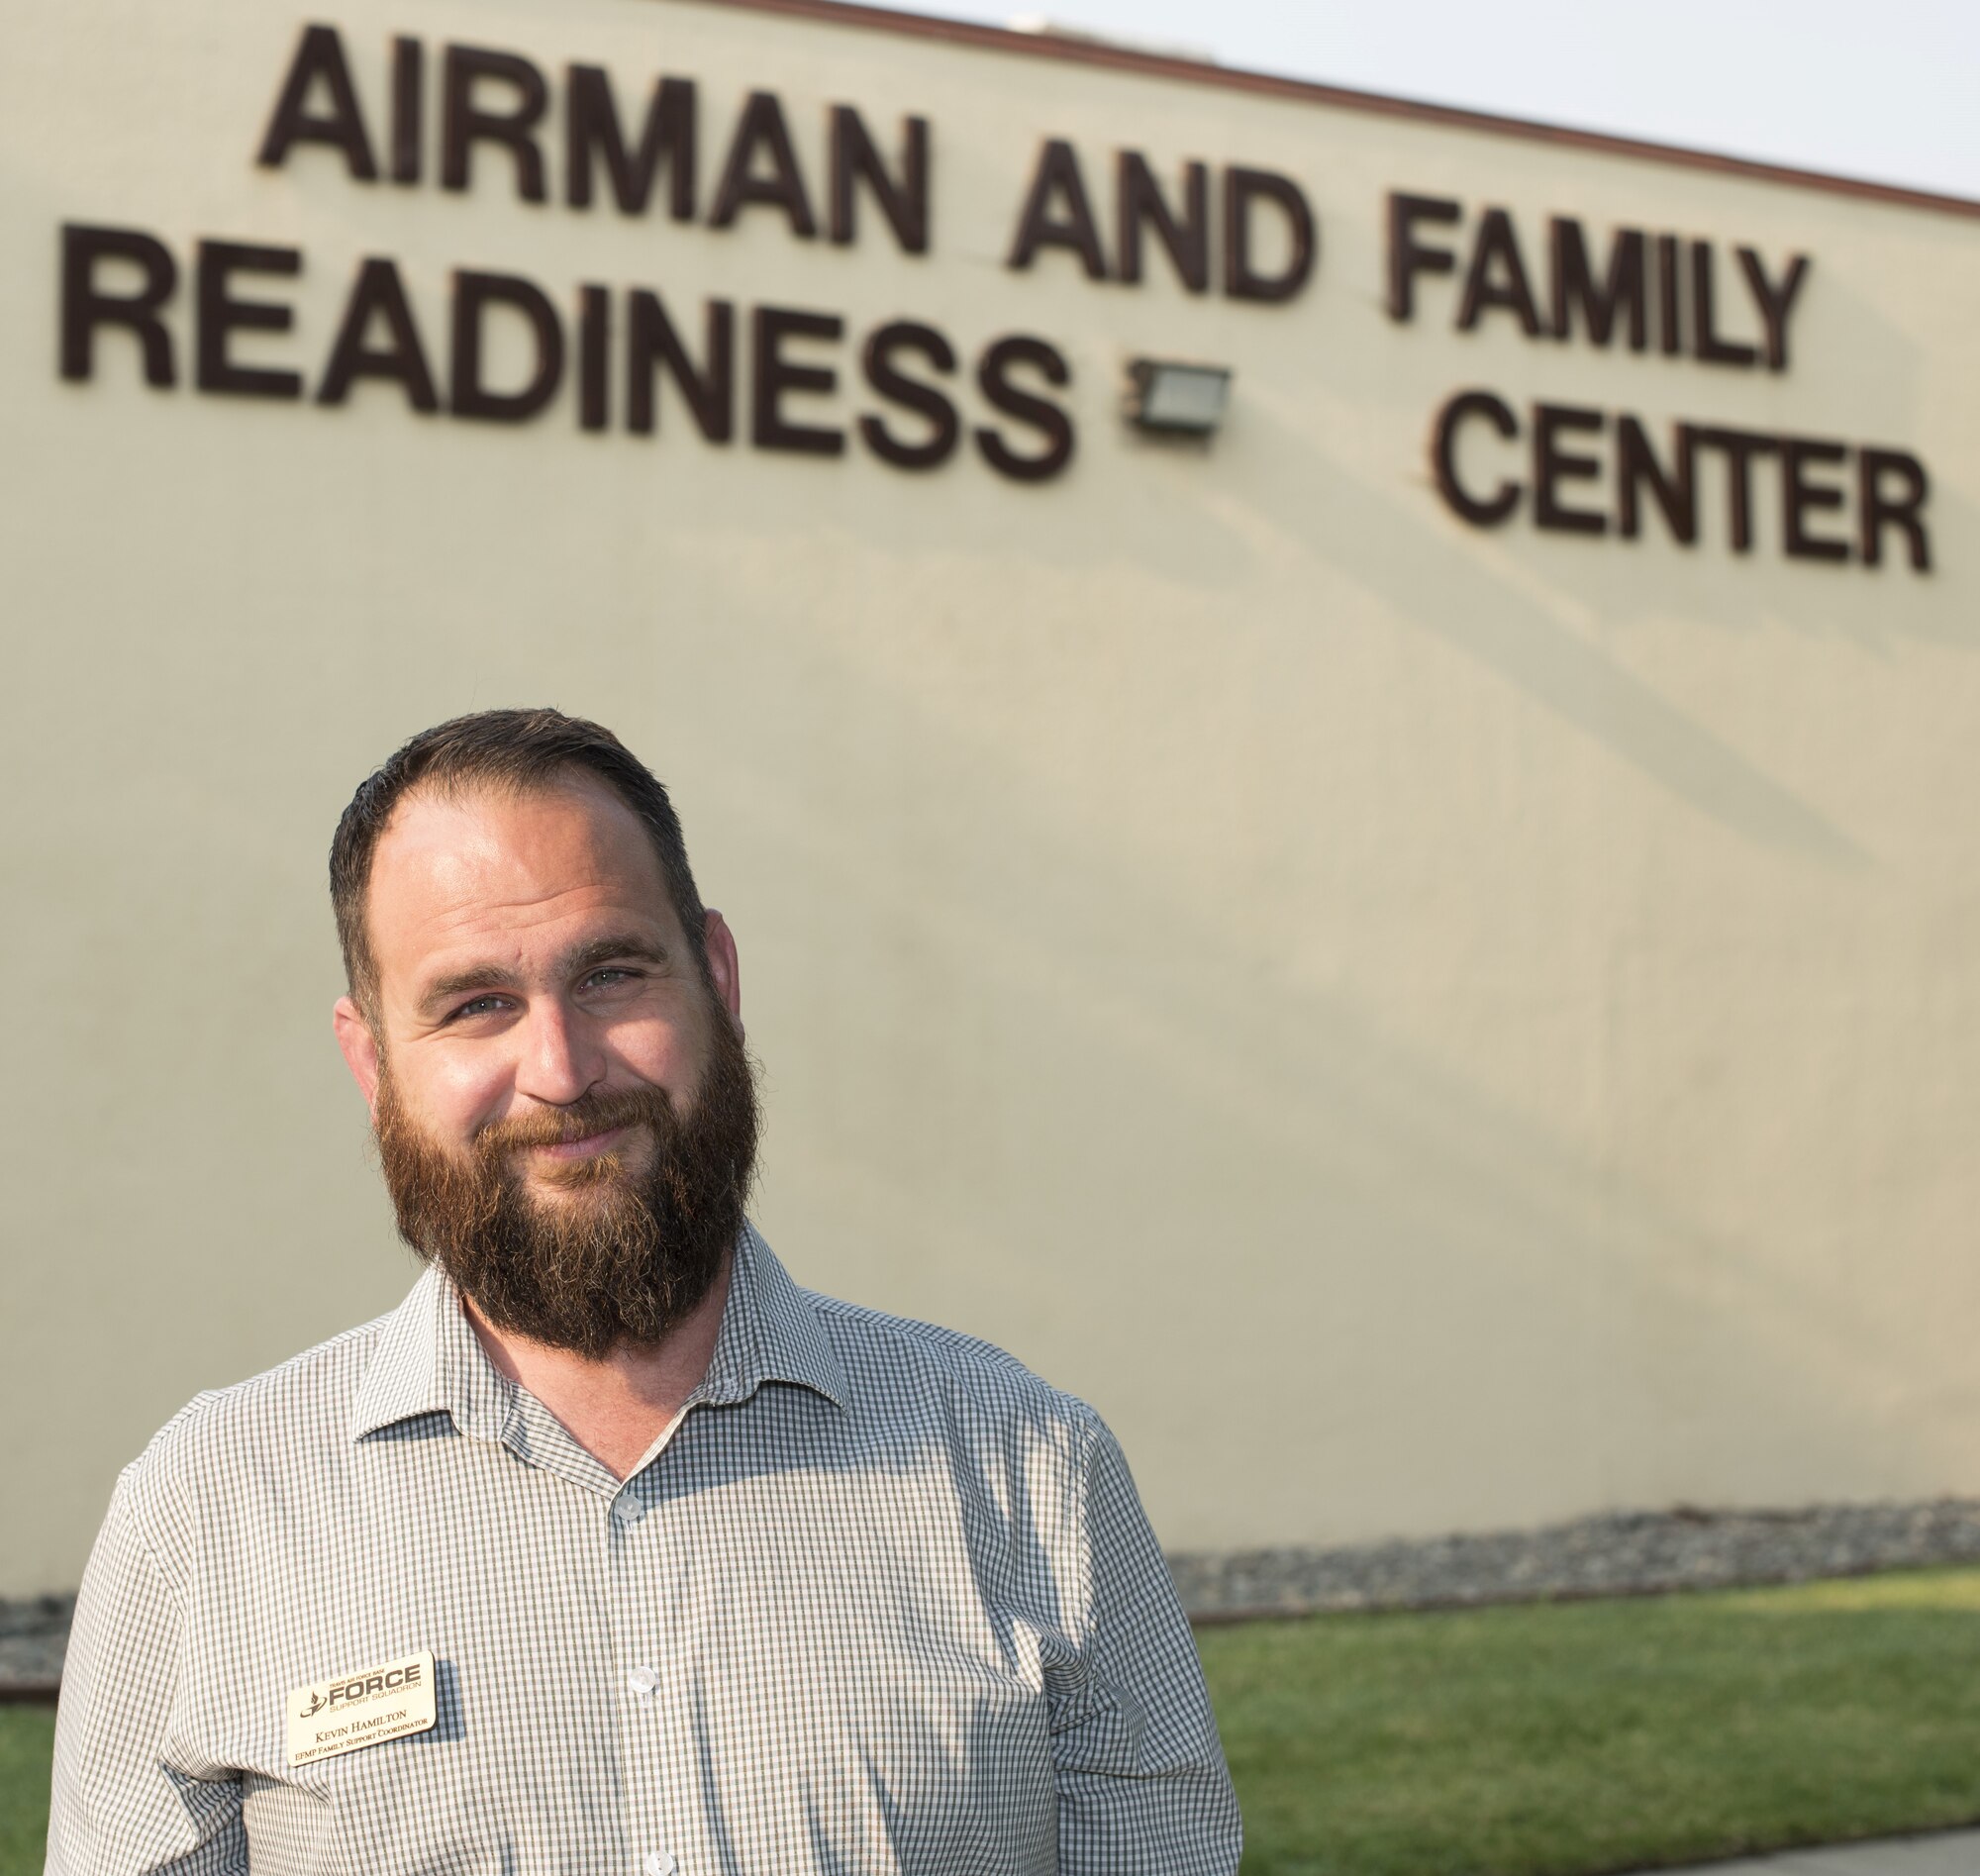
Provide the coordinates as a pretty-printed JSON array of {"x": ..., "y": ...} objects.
[{"x": 564, "y": 1112}]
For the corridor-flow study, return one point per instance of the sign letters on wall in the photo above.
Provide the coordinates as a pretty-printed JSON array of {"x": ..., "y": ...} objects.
[{"x": 620, "y": 356}]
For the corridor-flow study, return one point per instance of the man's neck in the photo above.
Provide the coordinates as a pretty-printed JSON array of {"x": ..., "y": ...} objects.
[{"x": 617, "y": 1406}]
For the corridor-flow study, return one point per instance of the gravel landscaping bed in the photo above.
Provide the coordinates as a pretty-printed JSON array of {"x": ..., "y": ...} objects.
[
  {"x": 32, "y": 1636},
  {"x": 1624, "y": 1553}
]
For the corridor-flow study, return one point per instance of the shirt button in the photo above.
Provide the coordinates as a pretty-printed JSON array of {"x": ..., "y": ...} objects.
[
  {"x": 643, "y": 1681},
  {"x": 660, "y": 1863},
  {"x": 627, "y": 1511}
]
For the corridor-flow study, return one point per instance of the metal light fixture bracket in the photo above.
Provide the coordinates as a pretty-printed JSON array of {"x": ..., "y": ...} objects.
[{"x": 1177, "y": 398}]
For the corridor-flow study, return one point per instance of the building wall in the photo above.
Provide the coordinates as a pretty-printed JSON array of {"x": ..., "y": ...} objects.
[{"x": 1427, "y": 1026}]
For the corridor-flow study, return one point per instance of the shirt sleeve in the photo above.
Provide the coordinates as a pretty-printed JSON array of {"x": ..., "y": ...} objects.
[
  {"x": 119, "y": 1805},
  {"x": 1142, "y": 1785}
]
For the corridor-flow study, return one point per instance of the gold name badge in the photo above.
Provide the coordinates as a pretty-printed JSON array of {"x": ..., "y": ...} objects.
[{"x": 363, "y": 1708}]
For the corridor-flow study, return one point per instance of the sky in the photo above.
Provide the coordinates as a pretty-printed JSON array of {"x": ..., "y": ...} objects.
[{"x": 1888, "y": 91}]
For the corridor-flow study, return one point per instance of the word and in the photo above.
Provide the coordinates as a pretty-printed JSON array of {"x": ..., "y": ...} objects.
[{"x": 1058, "y": 212}]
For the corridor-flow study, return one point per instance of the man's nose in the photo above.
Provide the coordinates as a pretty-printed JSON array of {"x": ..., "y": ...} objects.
[{"x": 562, "y": 1058}]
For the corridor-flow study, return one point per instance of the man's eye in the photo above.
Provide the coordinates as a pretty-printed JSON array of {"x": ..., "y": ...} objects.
[
  {"x": 612, "y": 975},
  {"x": 480, "y": 1006}
]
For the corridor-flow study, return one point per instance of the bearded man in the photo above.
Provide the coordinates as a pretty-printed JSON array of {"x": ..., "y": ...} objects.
[{"x": 611, "y": 1549}]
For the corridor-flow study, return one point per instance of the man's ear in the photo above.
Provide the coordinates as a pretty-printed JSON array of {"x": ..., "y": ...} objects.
[
  {"x": 359, "y": 1047},
  {"x": 718, "y": 945}
]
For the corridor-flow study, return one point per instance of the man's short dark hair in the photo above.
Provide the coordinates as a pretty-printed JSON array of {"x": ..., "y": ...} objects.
[{"x": 519, "y": 750}]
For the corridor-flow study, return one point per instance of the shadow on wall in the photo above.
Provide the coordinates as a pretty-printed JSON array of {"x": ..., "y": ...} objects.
[
  {"x": 1404, "y": 549},
  {"x": 1473, "y": 1293}
]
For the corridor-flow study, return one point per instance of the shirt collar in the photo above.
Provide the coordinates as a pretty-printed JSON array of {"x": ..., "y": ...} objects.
[
  {"x": 770, "y": 1331},
  {"x": 427, "y": 1360}
]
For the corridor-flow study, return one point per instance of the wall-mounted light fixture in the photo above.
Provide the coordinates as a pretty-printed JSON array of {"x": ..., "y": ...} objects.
[{"x": 1182, "y": 399}]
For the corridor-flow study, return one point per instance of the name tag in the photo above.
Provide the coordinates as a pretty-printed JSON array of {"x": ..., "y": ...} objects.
[{"x": 366, "y": 1708}]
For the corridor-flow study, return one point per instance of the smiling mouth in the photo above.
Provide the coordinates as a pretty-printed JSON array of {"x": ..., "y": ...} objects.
[{"x": 564, "y": 1152}]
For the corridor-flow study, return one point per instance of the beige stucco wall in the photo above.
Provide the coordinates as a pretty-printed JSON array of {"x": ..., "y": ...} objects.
[{"x": 1425, "y": 1029}]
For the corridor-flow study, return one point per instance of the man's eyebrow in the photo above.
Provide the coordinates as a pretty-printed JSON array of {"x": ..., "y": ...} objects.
[
  {"x": 458, "y": 983},
  {"x": 602, "y": 950},
  {"x": 574, "y": 964}
]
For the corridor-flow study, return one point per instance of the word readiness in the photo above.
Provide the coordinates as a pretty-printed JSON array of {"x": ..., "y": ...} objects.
[{"x": 361, "y": 1708}]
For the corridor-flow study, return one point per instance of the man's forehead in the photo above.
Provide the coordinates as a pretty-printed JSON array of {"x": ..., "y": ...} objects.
[{"x": 451, "y": 856}]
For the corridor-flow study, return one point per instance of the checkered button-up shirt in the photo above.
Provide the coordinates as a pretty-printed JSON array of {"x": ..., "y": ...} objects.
[{"x": 883, "y": 1601}]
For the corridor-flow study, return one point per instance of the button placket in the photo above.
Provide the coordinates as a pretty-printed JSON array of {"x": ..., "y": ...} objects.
[{"x": 632, "y": 1559}]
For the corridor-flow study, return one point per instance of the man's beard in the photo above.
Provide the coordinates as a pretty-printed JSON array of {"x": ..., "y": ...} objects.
[{"x": 616, "y": 1254}]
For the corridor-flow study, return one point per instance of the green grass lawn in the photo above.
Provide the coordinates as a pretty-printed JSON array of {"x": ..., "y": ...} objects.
[
  {"x": 27, "y": 1737},
  {"x": 1590, "y": 1736},
  {"x": 1542, "y": 1741}
]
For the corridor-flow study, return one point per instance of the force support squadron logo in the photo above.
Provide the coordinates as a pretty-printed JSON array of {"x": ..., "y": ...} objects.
[{"x": 363, "y": 1708}]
